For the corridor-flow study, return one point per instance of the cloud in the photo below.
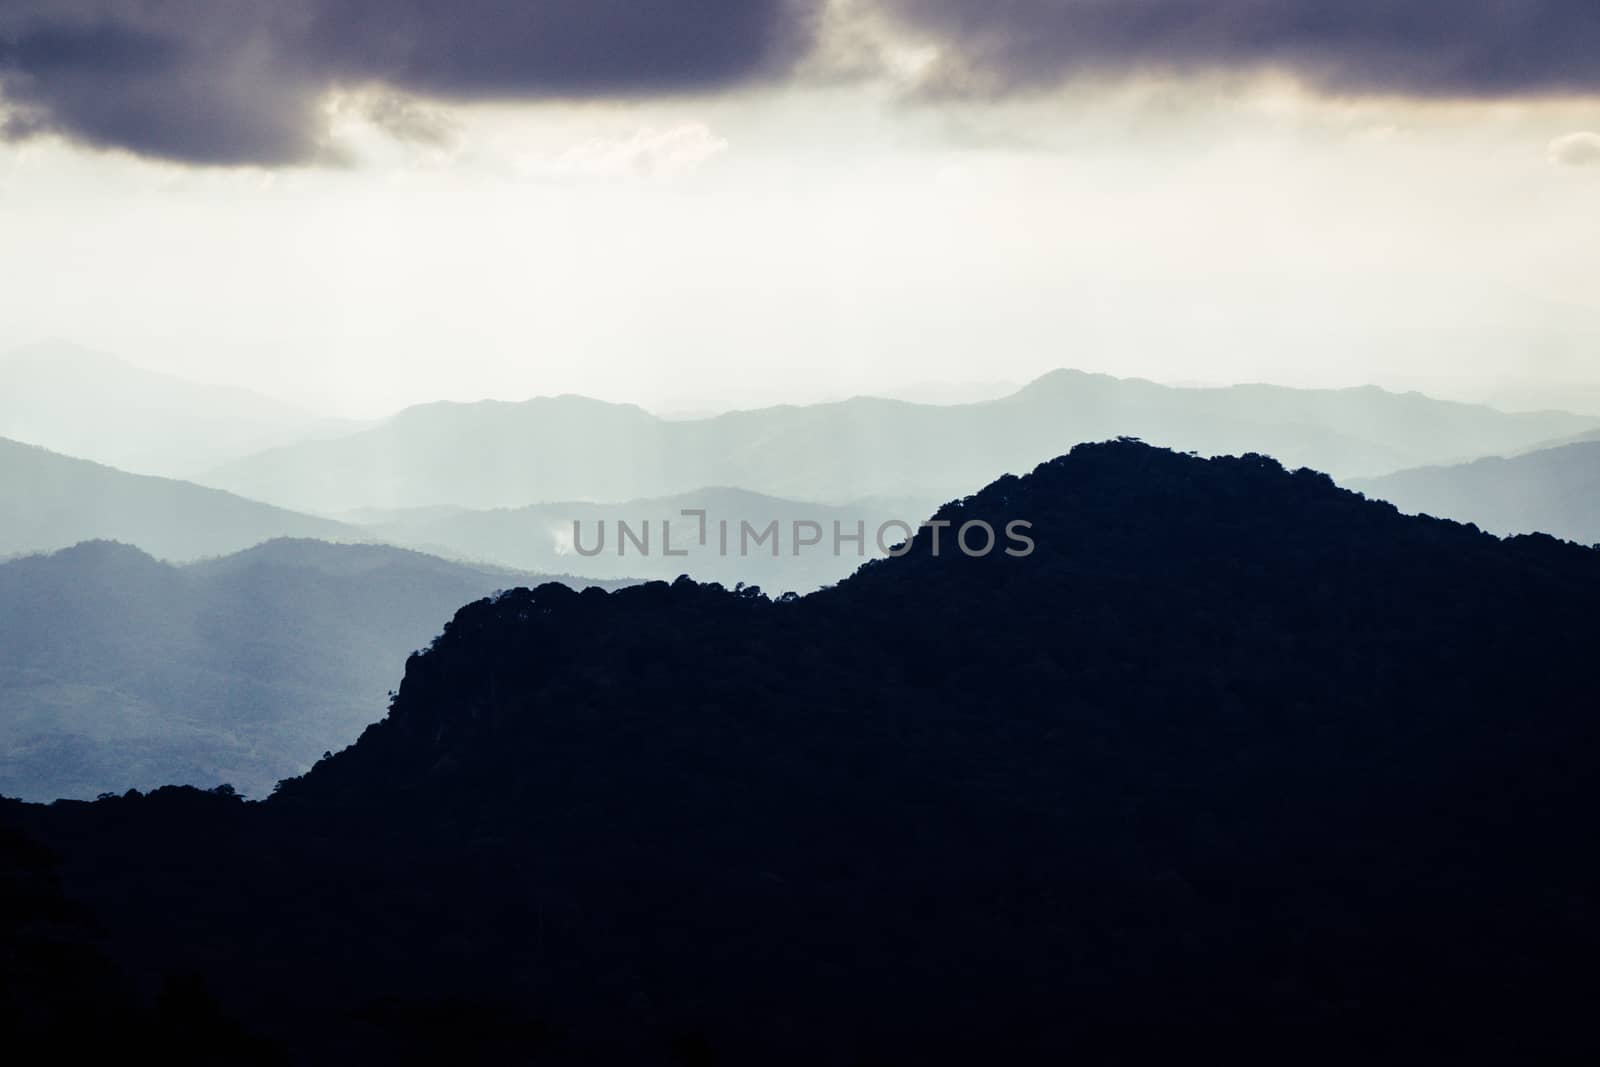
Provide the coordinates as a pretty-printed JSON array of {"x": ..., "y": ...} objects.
[
  {"x": 1469, "y": 48},
  {"x": 411, "y": 121},
  {"x": 246, "y": 81},
  {"x": 1576, "y": 150},
  {"x": 154, "y": 85},
  {"x": 648, "y": 153},
  {"x": 239, "y": 82}
]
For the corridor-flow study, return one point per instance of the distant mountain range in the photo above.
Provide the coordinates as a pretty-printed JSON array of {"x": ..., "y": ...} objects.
[
  {"x": 87, "y": 404},
  {"x": 1553, "y": 490},
  {"x": 117, "y": 670},
  {"x": 1575, "y": 439},
  {"x": 1235, "y": 757},
  {"x": 502, "y": 483},
  {"x": 49, "y": 501},
  {"x": 508, "y": 455}
]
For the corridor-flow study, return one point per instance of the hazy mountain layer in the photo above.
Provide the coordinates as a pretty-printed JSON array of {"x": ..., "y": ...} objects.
[
  {"x": 739, "y": 544},
  {"x": 496, "y": 455},
  {"x": 1554, "y": 491},
  {"x": 1234, "y": 758},
  {"x": 117, "y": 670},
  {"x": 49, "y": 501},
  {"x": 83, "y": 403}
]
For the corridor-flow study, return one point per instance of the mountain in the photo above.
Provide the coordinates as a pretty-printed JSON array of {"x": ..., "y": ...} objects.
[
  {"x": 1233, "y": 759},
  {"x": 484, "y": 455},
  {"x": 117, "y": 670},
  {"x": 1554, "y": 491},
  {"x": 947, "y": 392},
  {"x": 543, "y": 537},
  {"x": 49, "y": 501},
  {"x": 1574, "y": 439},
  {"x": 84, "y": 403},
  {"x": 505, "y": 455}
]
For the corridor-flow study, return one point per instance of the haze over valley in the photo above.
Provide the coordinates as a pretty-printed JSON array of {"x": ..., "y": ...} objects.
[{"x": 92, "y": 405}]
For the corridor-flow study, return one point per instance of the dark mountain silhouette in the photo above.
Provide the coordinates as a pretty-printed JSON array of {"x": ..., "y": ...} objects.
[
  {"x": 504, "y": 455},
  {"x": 117, "y": 670},
  {"x": 83, "y": 403},
  {"x": 1234, "y": 757},
  {"x": 63, "y": 998},
  {"x": 541, "y": 537},
  {"x": 48, "y": 502},
  {"x": 1554, "y": 491}
]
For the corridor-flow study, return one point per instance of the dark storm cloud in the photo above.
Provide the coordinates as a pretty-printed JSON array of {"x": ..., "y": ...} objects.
[
  {"x": 475, "y": 48},
  {"x": 160, "y": 83},
  {"x": 240, "y": 81},
  {"x": 1460, "y": 48},
  {"x": 231, "y": 81}
]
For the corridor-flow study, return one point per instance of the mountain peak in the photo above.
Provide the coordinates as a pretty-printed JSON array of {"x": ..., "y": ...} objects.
[
  {"x": 1127, "y": 540},
  {"x": 102, "y": 551},
  {"x": 491, "y": 406}
]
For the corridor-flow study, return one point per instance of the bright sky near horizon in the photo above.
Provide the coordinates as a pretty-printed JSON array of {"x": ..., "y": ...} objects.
[{"x": 820, "y": 225}]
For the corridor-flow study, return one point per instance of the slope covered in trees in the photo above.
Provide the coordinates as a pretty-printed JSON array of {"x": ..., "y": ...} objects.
[{"x": 1233, "y": 754}]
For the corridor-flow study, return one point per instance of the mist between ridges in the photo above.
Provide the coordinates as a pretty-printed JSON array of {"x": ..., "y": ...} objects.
[{"x": 975, "y": 538}]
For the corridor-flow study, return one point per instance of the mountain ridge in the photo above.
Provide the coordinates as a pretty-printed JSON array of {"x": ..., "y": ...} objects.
[
  {"x": 120, "y": 670},
  {"x": 1553, "y": 490},
  {"x": 515, "y": 455},
  {"x": 50, "y": 501}
]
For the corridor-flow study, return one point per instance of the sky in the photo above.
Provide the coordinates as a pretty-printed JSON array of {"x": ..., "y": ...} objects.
[{"x": 704, "y": 204}]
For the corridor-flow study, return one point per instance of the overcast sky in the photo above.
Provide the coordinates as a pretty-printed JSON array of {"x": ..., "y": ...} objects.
[{"x": 695, "y": 204}]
